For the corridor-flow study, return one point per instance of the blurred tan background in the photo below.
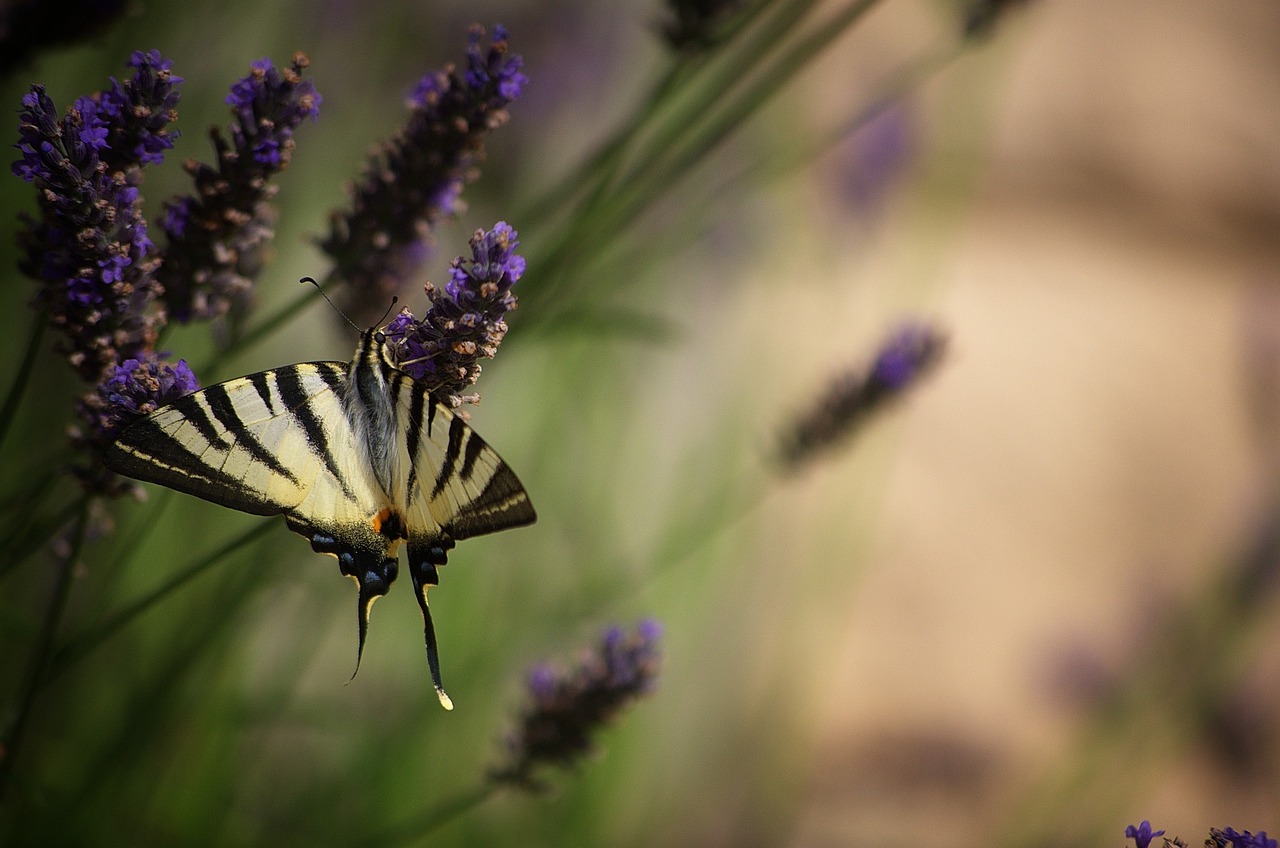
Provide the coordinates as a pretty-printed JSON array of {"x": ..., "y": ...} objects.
[{"x": 1095, "y": 448}]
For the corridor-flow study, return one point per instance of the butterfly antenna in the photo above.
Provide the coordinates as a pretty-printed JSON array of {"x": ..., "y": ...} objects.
[
  {"x": 383, "y": 320},
  {"x": 319, "y": 288}
]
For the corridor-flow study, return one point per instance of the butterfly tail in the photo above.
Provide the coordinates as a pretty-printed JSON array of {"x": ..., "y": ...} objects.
[
  {"x": 424, "y": 577},
  {"x": 373, "y": 583}
]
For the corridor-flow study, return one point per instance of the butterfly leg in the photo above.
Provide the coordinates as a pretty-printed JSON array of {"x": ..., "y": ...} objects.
[{"x": 423, "y": 559}]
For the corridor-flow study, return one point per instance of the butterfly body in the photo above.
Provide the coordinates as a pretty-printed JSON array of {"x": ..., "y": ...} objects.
[{"x": 359, "y": 457}]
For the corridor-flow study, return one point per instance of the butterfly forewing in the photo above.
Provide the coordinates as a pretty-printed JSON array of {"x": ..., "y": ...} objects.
[{"x": 272, "y": 442}]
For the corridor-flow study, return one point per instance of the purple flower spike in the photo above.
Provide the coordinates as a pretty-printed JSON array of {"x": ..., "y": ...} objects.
[
  {"x": 466, "y": 321},
  {"x": 90, "y": 245},
  {"x": 142, "y": 107},
  {"x": 139, "y": 387},
  {"x": 415, "y": 179},
  {"x": 567, "y": 706},
  {"x": 909, "y": 354},
  {"x": 218, "y": 237}
]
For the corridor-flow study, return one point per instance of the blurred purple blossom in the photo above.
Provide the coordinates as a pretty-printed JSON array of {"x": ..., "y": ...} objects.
[
  {"x": 911, "y": 352},
  {"x": 874, "y": 159},
  {"x": 1228, "y": 836},
  {"x": 566, "y": 707}
]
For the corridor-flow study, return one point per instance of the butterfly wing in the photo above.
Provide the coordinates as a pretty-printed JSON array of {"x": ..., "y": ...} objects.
[{"x": 274, "y": 442}]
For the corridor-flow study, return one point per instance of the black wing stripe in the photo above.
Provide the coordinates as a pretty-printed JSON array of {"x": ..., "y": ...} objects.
[
  {"x": 262, "y": 386},
  {"x": 413, "y": 432},
  {"x": 295, "y": 398},
  {"x": 200, "y": 419},
  {"x": 457, "y": 432},
  {"x": 138, "y": 454},
  {"x": 224, "y": 410},
  {"x": 475, "y": 446},
  {"x": 431, "y": 416}
]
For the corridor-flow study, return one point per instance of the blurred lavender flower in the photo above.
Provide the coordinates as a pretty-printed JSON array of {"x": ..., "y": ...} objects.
[
  {"x": 907, "y": 356},
  {"x": 217, "y": 238},
  {"x": 27, "y": 26},
  {"x": 695, "y": 24},
  {"x": 874, "y": 160},
  {"x": 465, "y": 322},
  {"x": 565, "y": 708},
  {"x": 415, "y": 179},
  {"x": 90, "y": 245},
  {"x": 1142, "y": 834},
  {"x": 1228, "y": 836}
]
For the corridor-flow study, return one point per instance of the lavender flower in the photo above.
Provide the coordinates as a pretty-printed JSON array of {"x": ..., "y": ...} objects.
[
  {"x": 466, "y": 321},
  {"x": 90, "y": 245},
  {"x": 132, "y": 389},
  {"x": 415, "y": 179},
  {"x": 695, "y": 24},
  {"x": 1228, "y": 836},
  {"x": 139, "y": 111},
  {"x": 1142, "y": 834},
  {"x": 566, "y": 707},
  {"x": 907, "y": 356},
  {"x": 217, "y": 238}
]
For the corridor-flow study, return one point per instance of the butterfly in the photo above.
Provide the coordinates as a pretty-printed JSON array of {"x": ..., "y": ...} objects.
[{"x": 357, "y": 456}]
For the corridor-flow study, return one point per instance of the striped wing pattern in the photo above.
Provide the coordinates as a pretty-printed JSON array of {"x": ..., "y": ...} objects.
[
  {"x": 273, "y": 442},
  {"x": 455, "y": 483},
  {"x": 298, "y": 441}
]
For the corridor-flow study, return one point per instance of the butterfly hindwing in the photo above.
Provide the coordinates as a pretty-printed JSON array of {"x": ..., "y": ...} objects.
[{"x": 455, "y": 483}]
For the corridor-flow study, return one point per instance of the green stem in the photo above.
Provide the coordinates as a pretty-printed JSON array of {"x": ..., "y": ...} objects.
[
  {"x": 38, "y": 669},
  {"x": 901, "y": 83},
  {"x": 600, "y": 166},
  {"x": 645, "y": 185},
  {"x": 668, "y": 161},
  {"x": 10, "y": 409},
  {"x": 80, "y": 646}
]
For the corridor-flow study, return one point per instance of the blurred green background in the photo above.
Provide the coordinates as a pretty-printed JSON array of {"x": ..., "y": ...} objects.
[{"x": 1031, "y": 605}]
